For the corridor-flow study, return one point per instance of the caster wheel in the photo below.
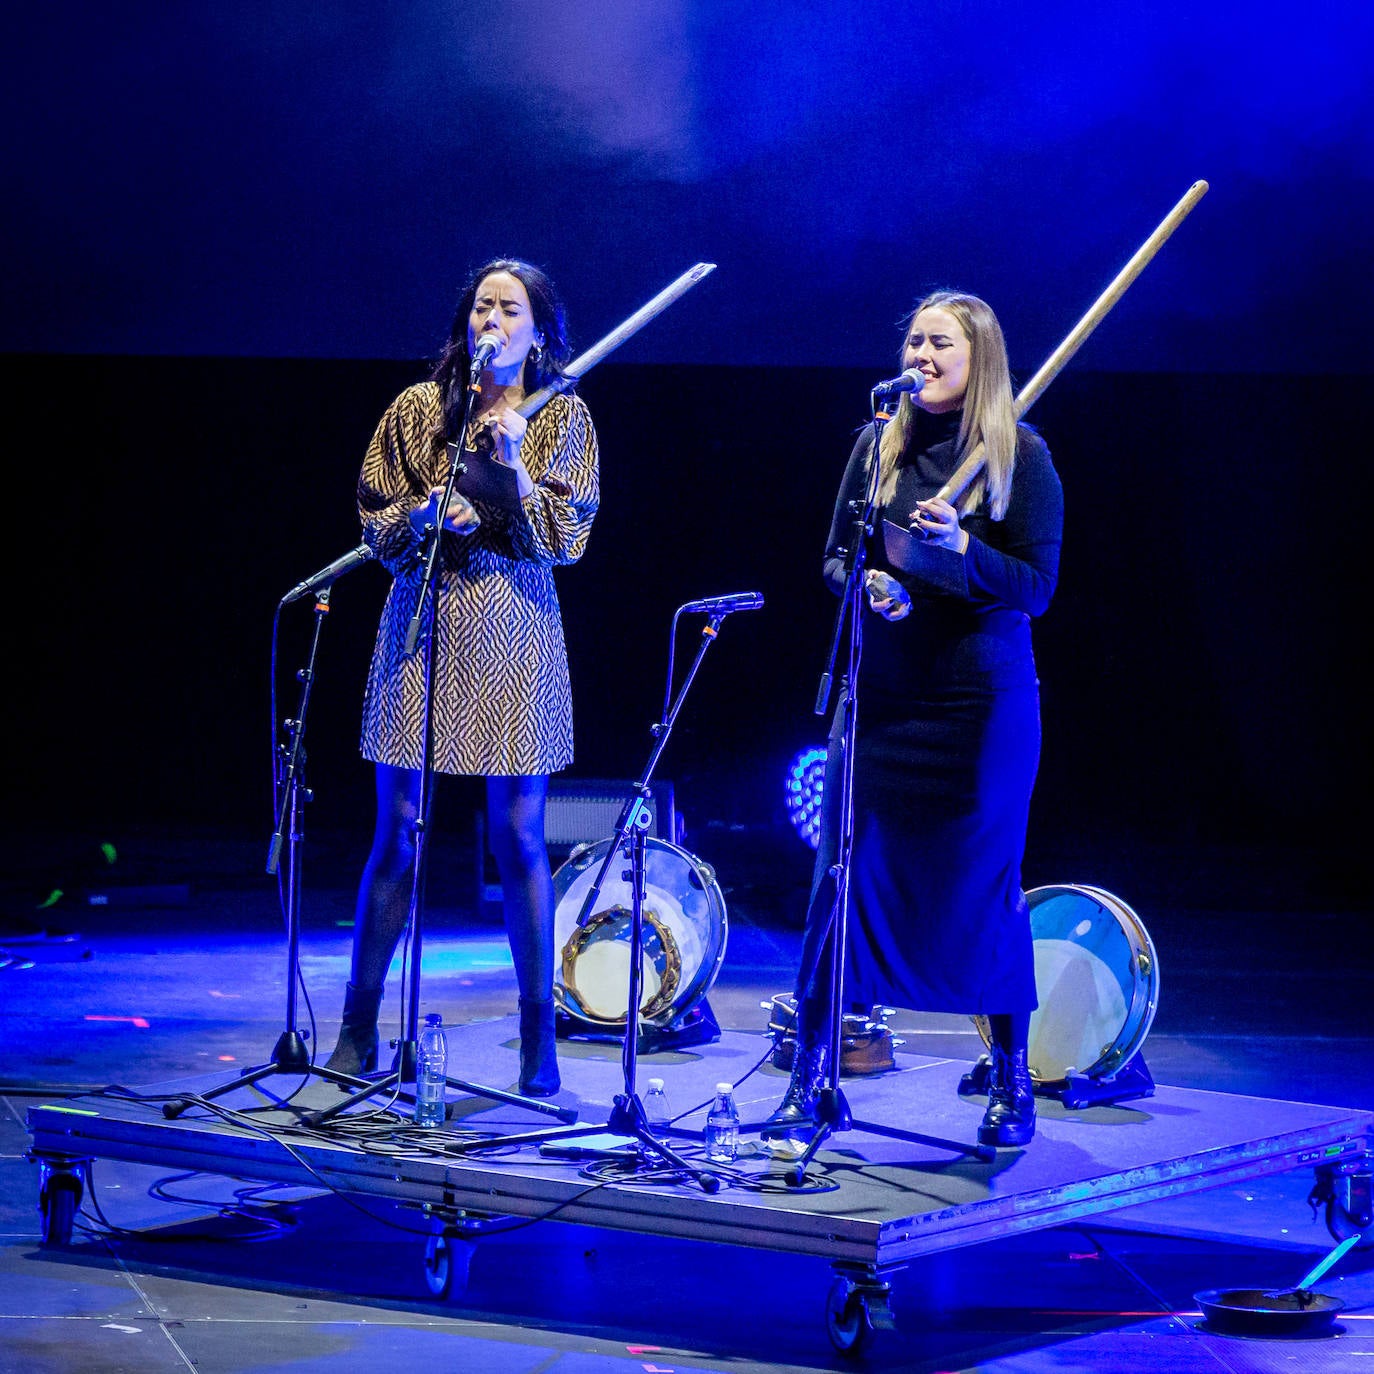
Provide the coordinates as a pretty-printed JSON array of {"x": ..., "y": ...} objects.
[
  {"x": 439, "y": 1266},
  {"x": 1346, "y": 1195},
  {"x": 846, "y": 1318},
  {"x": 447, "y": 1261},
  {"x": 1342, "y": 1226},
  {"x": 57, "y": 1208}
]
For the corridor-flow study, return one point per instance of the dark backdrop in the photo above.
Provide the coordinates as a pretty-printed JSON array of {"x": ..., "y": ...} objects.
[
  {"x": 231, "y": 229},
  {"x": 274, "y": 179},
  {"x": 1202, "y": 664}
]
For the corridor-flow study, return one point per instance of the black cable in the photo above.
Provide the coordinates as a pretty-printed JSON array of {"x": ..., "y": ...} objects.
[{"x": 692, "y": 1111}]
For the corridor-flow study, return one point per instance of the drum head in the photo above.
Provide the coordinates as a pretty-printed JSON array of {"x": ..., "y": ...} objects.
[
  {"x": 684, "y": 934},
  {"x": 1097, "y": 981}
]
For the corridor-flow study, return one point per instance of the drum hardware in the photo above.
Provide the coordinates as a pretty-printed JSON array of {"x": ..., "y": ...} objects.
[
  {"x": 1097, "y": 982},
  {"x": 866, "y": 1046},
  {"x": 686, "y": 1030}
]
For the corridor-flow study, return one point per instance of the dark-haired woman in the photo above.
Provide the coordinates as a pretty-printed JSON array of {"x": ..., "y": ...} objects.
[
  {"x": 502, "y": 701},
  {"x": 948, "y": 720}
]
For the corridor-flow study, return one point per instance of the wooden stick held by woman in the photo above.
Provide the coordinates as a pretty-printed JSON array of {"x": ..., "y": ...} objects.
[
  {"x": 584, "y": 362},
  {"x": 968, "y": 470}
]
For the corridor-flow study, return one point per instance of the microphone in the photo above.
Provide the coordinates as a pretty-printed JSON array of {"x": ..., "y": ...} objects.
[
  {"x": 724, "y": 605},
  {"x": 910, "y": 380},
  {"x": 488, "y": 346},
  {"x": 354, "y": 558}
]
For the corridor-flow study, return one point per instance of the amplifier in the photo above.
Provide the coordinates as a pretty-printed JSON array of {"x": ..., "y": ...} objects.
[
  {"x": 584, "y": 810},
  {"x": 580, "y": 811}
]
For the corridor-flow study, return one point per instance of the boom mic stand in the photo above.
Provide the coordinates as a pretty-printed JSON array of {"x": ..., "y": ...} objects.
[
  {"x": 405, "y": 1065},
  {"x": 832, "y": 1110},
  {"x": 627, "y": 1117},
  {"x": 290, "y": 1055}
]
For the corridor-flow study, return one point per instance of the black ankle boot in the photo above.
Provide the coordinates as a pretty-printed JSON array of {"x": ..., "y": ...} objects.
[
  {"x": 797, "y": 1111},
  {"x": 1010, "y": 1117},
  {"x": 809, "y": 1063},
  {"x": 356, "y": 1050},
  {"x": 538, "y": 1048}
]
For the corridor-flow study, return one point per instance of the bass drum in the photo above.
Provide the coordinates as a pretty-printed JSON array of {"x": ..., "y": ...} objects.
[
  {"x": 1097, "y": 981},
  {"x": 684, "y": 935}
]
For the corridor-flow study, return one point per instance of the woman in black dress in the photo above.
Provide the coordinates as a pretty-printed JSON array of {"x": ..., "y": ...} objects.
[
  {"x": 502, "y": 702},
  {"x": 948, "y": 719}
]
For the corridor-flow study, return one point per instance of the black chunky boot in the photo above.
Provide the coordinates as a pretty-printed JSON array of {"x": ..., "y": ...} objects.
[
  {"x": 538, "y": 1048},
  {"x": 1010, "y": 1117},
  {"x": 797, "y": 1110},
  {"x": 356, "y": 1050}
]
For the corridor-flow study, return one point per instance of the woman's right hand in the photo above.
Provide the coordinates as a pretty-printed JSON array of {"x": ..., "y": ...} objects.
[
  {"x": 886, "y": 595},
  {"x": 462, "y": 517}
]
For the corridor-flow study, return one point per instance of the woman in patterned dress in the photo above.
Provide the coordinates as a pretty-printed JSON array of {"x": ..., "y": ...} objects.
[{"x": 502, "y": 705}]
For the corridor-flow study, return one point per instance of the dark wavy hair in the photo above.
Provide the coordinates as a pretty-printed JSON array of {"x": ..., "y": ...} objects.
[{"x": 541, "y": 366}]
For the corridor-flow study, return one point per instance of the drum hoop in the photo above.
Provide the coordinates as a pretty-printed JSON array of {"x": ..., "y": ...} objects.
[
  {"x": 1144, "y": 989},
  {"x": 688, "y": 991},
  {"x": 669, "y": 976}
]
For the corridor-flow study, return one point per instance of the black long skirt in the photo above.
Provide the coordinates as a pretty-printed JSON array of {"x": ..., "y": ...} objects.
[{"x": 937, "y": 918}]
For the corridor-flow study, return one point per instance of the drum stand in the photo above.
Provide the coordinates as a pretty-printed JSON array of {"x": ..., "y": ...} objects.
[
  {"x": 627, "y": 1117},
  {"x": 405, "y": 1065},
  {"x": 832, "y": 1111}
]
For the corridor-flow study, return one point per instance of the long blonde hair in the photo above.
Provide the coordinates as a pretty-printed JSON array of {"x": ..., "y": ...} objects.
[{"x": 987, "y": 417}]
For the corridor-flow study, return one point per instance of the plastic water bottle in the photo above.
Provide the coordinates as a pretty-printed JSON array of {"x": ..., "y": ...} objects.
[
  {"x": 722, "y": 1126},
  {"x": 431, "y": 1070},
  {"x": 656, "y": 1111}
]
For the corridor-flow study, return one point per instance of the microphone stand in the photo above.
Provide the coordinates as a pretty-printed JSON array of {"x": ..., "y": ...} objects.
[
  {"x": 832, "y": 1110},
  {"x": 407, "y": 1057},
  {"x": 289, "y": 1055},
  {"x": 627, "y": 1117}
]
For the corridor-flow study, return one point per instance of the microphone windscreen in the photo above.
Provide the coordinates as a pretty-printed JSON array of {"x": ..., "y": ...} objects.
[{"x": 488, "y": 346}]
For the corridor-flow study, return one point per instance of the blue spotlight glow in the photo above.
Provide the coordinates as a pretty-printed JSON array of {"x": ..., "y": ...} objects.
[{"x": 805, "y": 789}]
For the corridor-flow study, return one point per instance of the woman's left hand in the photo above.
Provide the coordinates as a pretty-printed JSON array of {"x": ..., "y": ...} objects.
[
  {"x": 937, "y": 522},
  {"x": 506, "y": 428},
  {"x": 886, "y": 595}
]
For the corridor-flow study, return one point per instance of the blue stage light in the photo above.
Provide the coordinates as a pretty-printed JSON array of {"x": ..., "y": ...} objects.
[{"x": 805, "y": 788}]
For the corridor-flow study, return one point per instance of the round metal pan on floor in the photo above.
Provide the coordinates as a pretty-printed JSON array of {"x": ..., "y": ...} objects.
[
  {"x": 1256, "y": 1312},
  {"x": 1293, "y": 1311}
]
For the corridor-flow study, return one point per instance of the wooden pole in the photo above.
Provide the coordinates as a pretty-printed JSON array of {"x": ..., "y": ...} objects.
[
  {"x": 584, "y": 362},
  {"x": 968, "y": 470}
]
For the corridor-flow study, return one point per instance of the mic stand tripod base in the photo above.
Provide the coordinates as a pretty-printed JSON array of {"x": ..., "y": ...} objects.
[
  {"x": 289, "y": 1056},
  {"x": 403, "y": 1071},
  {"x": 627, "y": 1120},
  {"x": 833, "y": 1115}
]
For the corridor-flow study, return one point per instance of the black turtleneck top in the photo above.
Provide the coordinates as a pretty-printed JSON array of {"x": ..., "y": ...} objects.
[{"x": 970, "y": 615}]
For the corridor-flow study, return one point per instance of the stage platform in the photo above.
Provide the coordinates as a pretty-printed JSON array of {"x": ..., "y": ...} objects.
[{"x": 870, "y": 1203}]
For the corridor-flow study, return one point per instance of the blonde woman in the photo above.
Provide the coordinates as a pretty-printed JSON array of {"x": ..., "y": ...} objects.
[{"x": 948, "y": 720}]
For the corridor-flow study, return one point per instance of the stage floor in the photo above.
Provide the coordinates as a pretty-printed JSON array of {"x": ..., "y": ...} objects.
[
  {"x": 868, "y": 1199},
  {"x": 217, "y": 1245}
]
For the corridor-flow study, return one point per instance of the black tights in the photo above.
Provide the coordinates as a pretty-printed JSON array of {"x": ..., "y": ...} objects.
[{"x": 515, "y": 811}]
